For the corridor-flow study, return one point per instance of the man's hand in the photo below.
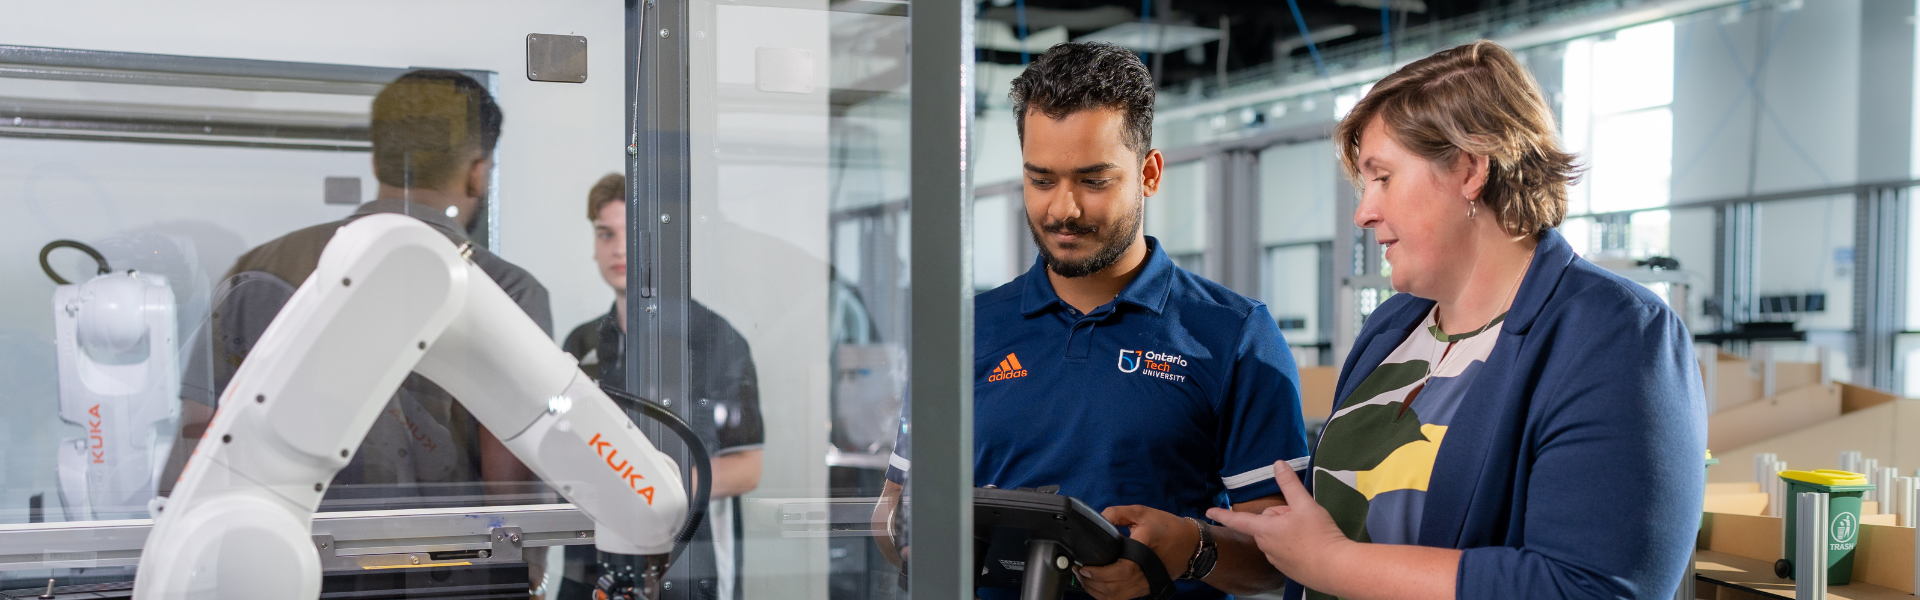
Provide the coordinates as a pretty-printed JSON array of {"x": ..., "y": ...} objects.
[
  {"x": 1299, "y": 538},
  {"x": 1173, "y": 539}
]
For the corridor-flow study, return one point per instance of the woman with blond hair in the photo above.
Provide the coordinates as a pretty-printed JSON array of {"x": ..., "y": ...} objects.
[{"x": 1517, "y": 422}]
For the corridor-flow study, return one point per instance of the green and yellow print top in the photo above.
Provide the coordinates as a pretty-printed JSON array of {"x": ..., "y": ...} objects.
[{"x": 1372, "y": 467}]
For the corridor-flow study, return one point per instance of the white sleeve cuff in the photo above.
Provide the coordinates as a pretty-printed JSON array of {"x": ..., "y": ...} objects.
[{"x": 1261, "y": 474}]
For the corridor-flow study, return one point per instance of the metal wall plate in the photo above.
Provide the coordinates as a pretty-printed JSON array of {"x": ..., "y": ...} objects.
[
  {"x": 556, "y": 58},
  {"x": 783, "y": 70},
  {"x": 343, "y": 190}
]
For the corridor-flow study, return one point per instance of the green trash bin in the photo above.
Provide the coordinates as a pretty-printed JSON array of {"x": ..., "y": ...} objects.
[
  {"x": 1843, "y": 490},
  {"x": 1711, "y": 461}
]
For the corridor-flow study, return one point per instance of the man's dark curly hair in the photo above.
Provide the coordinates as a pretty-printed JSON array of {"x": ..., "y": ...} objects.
[
  {"x": 426, "y": 123},
  {"x": 1078, "y": 76}
]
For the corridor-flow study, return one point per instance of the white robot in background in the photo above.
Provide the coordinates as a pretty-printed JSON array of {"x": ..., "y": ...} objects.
[
  {"x": 391, "y": 295},
  {"x": 120, "y": 381}
]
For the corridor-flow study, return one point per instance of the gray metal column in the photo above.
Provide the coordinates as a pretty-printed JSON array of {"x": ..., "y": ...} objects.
[
  {"x": 1238, "y": 219},
  {"x": 1879, "y": 284},
  {"x": 1885, "y": 148},
  {"x": 657, "y": 233},
  {"x": 1733, "y": 259},
  {"x": 940, "y": 492}
]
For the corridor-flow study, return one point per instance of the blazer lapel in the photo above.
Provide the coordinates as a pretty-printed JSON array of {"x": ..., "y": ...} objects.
[{"x": 1490, "y": 417}]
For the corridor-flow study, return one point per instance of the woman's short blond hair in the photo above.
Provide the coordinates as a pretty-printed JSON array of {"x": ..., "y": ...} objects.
[{"x": 1474, "y": 98}]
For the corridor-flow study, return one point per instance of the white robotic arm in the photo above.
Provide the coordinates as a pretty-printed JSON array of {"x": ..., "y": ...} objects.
[{"x": 390, "y": 295}]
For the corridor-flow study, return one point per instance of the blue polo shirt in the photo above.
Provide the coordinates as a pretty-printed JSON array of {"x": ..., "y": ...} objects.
[{"x": 1179, "y": 395}]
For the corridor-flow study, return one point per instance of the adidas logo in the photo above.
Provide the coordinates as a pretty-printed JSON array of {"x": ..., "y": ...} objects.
[{"x": 1009, "y": 368}]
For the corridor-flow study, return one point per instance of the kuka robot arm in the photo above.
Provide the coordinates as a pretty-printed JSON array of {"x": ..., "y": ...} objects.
[{"x": 390, "y": 295}]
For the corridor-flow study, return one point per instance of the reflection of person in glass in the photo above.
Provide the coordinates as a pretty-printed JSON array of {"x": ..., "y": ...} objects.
[
  {"x": 1519, "y": 423},
  {"x": 724, "y": 385},
  {"x": 1107, "y": 370},
  {"x": 433, "y": 140}
]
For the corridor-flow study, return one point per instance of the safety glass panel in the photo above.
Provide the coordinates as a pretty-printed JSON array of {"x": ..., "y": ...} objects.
[
  {"x": 796, "y": 320},
  {"x": 177, "y": 189}
]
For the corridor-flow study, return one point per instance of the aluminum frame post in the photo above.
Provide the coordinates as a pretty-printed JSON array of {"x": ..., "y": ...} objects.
[
  {"x": 941, "y": 489},
  {"x": 1810, "y": 547}
]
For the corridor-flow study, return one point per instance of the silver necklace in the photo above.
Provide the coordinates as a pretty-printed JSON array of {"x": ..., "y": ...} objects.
[{"x": 1444, "y": 355}]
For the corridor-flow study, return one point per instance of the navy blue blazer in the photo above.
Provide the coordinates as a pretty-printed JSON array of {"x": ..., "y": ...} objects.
[{"x": 1574, "y": 468}]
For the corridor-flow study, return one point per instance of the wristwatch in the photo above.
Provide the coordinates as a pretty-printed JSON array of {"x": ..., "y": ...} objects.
[{"x": 1204, "y": 556}]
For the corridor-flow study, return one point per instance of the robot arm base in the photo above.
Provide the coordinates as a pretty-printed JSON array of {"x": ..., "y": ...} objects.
[
  {"x": 630, "y": 576},
  {"x": 233, "y": 547}
]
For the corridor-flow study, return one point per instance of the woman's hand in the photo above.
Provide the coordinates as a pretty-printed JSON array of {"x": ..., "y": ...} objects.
[
  {"x": 1299, "y": 538},
  {"x": 1172, "y": 538}
]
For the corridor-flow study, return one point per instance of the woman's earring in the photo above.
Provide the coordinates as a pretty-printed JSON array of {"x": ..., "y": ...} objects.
[{"x": 1473, "y": 208}]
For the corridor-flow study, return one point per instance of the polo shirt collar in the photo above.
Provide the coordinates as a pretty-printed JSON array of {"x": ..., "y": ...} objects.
[
  {"x": 437, "y": 218},
  {"x": 1148, "y": 290}
]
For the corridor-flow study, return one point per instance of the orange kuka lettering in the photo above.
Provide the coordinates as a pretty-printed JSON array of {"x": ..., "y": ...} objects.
[{"x": 625, "y": 469}]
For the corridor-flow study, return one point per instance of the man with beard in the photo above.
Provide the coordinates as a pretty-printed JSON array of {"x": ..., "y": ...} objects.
[{"x": 1107, "y": 370}]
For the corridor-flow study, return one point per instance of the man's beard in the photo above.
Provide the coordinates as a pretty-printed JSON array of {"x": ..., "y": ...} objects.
[{"x": 1113, "y": 241}]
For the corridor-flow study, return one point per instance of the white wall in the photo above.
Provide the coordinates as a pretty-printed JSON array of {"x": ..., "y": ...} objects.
[
  {"x": 557, "y": 139},
  {"x": 1806, "y": 135}
]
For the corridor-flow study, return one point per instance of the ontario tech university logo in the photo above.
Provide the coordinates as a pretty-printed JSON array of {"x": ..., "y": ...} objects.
[
  {"x": 1009, "y": 368},
  {"x": 1158, "y": 364}
]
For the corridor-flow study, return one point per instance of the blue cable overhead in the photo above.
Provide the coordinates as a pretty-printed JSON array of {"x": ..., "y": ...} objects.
[
  {"x": 1146, "y": 8},
  {"x": 1304, "y": 34},
  {"x": 1386, "y": 28},
  {"x": 1020, "y": 16}
]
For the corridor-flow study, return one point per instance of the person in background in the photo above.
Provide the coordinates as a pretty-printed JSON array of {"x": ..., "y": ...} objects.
[
  {"x": 724, "y": 385},
  {"x": 1518, "y": 423},
  {"x": 433, "y": 134}
]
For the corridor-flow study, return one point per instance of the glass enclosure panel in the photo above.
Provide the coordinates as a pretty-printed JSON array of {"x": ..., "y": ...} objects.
[
  {"x": 1001, "y": 246},
  {"x": 209, "y": 194},
  {"x": 1177, "y": 215},
  {"x": 799, "y": 209},
  {"x": 217, "y": 193}
]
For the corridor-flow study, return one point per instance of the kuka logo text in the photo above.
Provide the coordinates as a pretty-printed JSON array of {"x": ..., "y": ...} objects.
[{"x": 625, "y": 469}]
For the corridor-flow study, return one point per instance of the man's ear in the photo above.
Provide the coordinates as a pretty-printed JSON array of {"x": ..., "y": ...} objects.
[
  {"x": 479, "y": 177},
  {"x": 1151, "y": 170}
]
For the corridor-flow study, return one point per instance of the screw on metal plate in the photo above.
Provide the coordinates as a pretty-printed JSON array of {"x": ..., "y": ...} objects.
[
  {"x": 667, "y": 402},
  {"x": 515, "y": 538},
  {"x": 582, "y": 534},
  {"x": 485, "y": 554},
  {"x": 414, "y": 558},
  {"x": 632, "y": 149},
  {"x": 663, "y": 33},
  {"x": 666, "y": 219}
]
